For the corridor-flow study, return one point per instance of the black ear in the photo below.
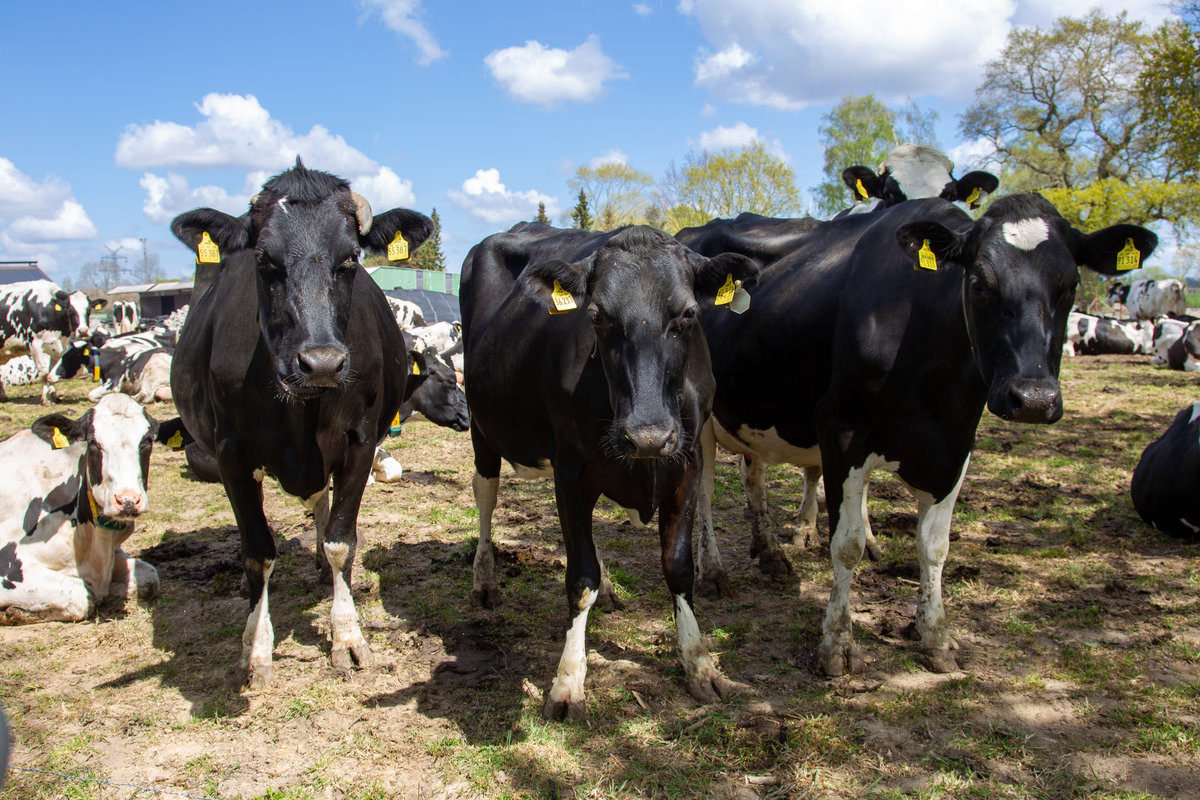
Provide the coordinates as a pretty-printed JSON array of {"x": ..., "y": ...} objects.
[
  {"x": 1108, "y": 251},
  {"x": 537, "y": 281},
  {"x": 99, "y": 304},
  {"x": 228, "y": 233},
  {"x": 413, "y": 226},
  {"x": 418, "y": 370},
  {"x": 53, "y": 426},
  {"x": 851, "y": 176},
  {"x": 974, "y": 187},
  {"x": 945, "y": 243},
  {"x": 712, "y": 273},
  {"x": 173, "y": 434}
]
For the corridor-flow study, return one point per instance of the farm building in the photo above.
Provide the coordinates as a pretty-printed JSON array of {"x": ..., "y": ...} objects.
[
  {"x": 20, "y": 271},
  {"x": 157, "y": 299}
]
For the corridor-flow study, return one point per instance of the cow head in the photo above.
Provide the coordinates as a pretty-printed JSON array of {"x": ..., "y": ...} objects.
[
  {"x": 83, "y": 308},
  {"x": 642, "y": 292},
  {"x": 1019, "y": 268},
  {"x": 916, "y": 171},
  {"x": 119, "y": 436},
  {"x": 307, "y": 231},
  {"x": 1116, "y": 293},
  {"x": 433, "y": 390}
]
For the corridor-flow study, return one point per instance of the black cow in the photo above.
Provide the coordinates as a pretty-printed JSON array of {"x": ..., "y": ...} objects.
[
  {"x": 890, "y": 366},
  {"x": 292, "y": 363},
  {"x": 913, "y": 171},
  {"x": 1166, "y": 482},
  {"x": 435, "y": 392},
  {"x": 610, "y": 396}
]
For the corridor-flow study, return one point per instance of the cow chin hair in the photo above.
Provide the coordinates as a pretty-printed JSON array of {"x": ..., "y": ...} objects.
[
  {"x": 610, "y": 446},
  {"x": 284, "y": 396}
]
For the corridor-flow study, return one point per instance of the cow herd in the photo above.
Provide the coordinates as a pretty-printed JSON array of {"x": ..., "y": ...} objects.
[{"x": 613, "y": 362}]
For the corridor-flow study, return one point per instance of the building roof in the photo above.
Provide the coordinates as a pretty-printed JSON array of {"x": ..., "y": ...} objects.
[
  {"x": 161, "y": 287},
  {"x": 20, "y": 271}
]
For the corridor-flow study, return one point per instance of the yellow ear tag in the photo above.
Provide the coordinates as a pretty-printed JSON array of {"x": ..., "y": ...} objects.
[
  {"x": 396, "y": 427},
  {"x": 862, "y": 190},
  {"x": 96, "y": 372},
  {"x": 563, "y": 300},
  {"x": 59, "y": 439},
  {"x": 57, "y": 307},
  {"x": 1129, "y": 257},
  {"x": 207, "y": 251},
  {"x": 416, "y": 369},
  {"x": 725, "y": 293},
  {"x": 925, "y": 257},
  {"x": 176, "y": 441},
  {"x": 398, "y": 249},
  {"x": 973, "y": 198}
]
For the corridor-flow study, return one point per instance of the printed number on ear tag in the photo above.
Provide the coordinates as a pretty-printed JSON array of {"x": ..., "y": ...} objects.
[
  {"x": 563, "y": 300},
  {"x": 925, "y": 257},
  {"x": 862, "y": 190},
  {"x": 175, "y": 442},
  {"x": 398, "y": 249},
  {"x": 59, "y": 439},
  {"x": 207, "y": 251},
  {"x": 1129, "y": 257},
  {"x": 725, "y": 293}
]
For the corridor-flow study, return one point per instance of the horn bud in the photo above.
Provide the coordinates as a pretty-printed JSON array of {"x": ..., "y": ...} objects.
[{"x": 362, "y": 212}]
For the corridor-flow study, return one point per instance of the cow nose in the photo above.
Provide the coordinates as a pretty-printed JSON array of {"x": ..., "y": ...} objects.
[
  {"x": 322, "y": 365},
  {"x": 1036, "y": 400},
  {"x": 650, "y": 441},
  {"x": 130, "y": 502}
]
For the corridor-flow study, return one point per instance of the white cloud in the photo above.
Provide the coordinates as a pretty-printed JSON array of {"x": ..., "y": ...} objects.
[
  {"x": 70, "y": 222},
  {"x": 34, "y": 214},
  {"x": 976, "y": 154},
  {"x": 738, "y": 136},
  {"x": 386, "y": 190},
  {"x": 613, "y": 156},
  {"x": 547, "y": 76},
  {"x": 401, "y": 16},
  {"x": 169, "y": 196},
  {"x": 483, "y": 196},
  {"x": 21, "y": 194},
  {"x": 642, "y": 10}
]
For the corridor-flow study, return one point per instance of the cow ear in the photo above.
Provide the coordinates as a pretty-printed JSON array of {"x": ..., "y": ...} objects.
[
  {"x": 173, "y": 434},
  {"x": 1109, "y": 251},
  {"x": 974, "y": 187},
  {"x": 945, "y": 243},
  {"x": 98, "y": 304},
  {"x": 58, "y": 430},
  {"x": 713, "y": 273},
  {"x": 856, "y": 175},
  {"x": 228, "y": 233},
  {"x": 541, "y": 282},
  {"x": 412, "y": 225}
]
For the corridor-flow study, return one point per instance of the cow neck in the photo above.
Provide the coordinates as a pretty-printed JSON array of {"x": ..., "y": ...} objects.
[{"x": 108, "y": 523}]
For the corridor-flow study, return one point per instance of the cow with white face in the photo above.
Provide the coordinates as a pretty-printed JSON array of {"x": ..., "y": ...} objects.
[
  {"x": 73, "y": 491},
  {"x": 34, "y": 318},
  {"x": 913, "y": 171}
]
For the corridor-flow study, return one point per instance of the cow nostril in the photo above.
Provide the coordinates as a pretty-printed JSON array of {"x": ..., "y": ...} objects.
[{"x": 321, "y": 362}]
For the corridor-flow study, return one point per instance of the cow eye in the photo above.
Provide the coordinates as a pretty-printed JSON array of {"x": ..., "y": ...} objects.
[
  {"x": 598, "y": 317},
  {"x": 266, "y": 266},
  {"x": 684, "y": 321},
  {"x": 980, "y": 291}
]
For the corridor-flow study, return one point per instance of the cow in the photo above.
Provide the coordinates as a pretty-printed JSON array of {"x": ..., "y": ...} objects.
[
  {"x": 913, "y": 171},
  {"x": 1148, "y": 299},
  {"x": 408, "y": 315},
  {"x": 125, "y": 317},
  {"x": 73, "y": 491},
  {"x": 608, "y": 397},
  {"x": 145, "y": 375},
  {"x": 35, "y": 316},
  {"x": 891, "y": 366},
  {"x": 20, "y": 371},
  {"x": 1091, "y": 335},
  {"x": 445, "y": 339},
  {"x": 291, "y": 364},
  {"x": 1184, "y": 352},
  {"x": 1165, "y": 488},
  {"x": 84, "y": 308}
]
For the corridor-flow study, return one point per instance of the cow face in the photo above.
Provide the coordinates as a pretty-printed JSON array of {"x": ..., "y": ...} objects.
[
  {"x": 83, "y": 308},
  {"x": 119, "y": 436},
  {"x": 642, "y": 292},
  {"x": 434, "y": 391},
  {"x": 307, "y": 231},
  {"x": 1019, "y": 277}
]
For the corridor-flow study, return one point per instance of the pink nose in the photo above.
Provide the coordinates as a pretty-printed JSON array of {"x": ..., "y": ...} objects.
[{"x": 130, "y": 502}]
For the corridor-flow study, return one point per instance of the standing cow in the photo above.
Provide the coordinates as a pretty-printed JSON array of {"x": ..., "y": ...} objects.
[
  {"x": 891, "y": 365},
  {"x": 35, "y": 316},
  {"x": 608, "y": 396},
  {"x": 291, "y": 363},
  {"x": 1148, "y": 299}
]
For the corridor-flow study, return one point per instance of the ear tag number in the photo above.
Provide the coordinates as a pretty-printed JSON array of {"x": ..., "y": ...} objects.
[
  {"x": 925, "y": 258},
  {"x": 176, "y": 441},
  {"x": 973, "y": 199},
  {"x": 862, "y": 190},
  {"x": 59, "y": 439},
  {"x": 398, "y": 249},
  {"x": 1129, "y": 257},
  {"x": 207, "y": 251},
  {"x": 563, "y": 300},
  {"x": 416, "y": 370},
  {"x": 725, "y": 293}
]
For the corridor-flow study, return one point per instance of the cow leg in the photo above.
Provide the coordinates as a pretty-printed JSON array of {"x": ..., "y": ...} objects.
[
  {"x": 846, "y": 499},
  {"x": 318, "y": 504},
  {"x": 711, "y": 578},
  {"x": 348, "y": 646},
  {"x": 43, "y": 595},
  {"x": 132, "y": 577},
  {"x": 485, "y": 484},
  {"x": 258, "y": 560},
  {"x": 764, "y": 544},
  {"x": 807, "y": 534},
  {"x": 933, "y": 544}
]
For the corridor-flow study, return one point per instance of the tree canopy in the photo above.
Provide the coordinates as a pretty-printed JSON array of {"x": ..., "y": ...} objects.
[
  {"x": 616, "y": 193},
  {"x": 731, "y": 181}
]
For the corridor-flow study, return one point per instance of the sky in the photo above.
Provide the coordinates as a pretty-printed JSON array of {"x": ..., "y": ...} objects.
[{"x": 118, "y": 116}]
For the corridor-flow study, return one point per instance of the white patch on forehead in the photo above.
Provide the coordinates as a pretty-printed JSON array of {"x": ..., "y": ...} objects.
[
  {"x": 1026, "y": 234},
  {"x": 920, "y": 171},
  {"x": 282, "y": 203}
]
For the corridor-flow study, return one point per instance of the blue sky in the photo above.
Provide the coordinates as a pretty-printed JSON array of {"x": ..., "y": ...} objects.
[{"x": 120, "y": 115}]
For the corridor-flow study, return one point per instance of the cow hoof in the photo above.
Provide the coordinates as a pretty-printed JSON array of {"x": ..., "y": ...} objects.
[
  {"x": 607, "y": 596},
  {"x": 709, "y": 686},
  {"x": 258, "y": 677},
  {"x": 354, "y": 654},
  {"x": 775, "y": 564},
  {"x": 940, "y": 661},
  {"x": 807, "y": 538},
  {"x": 486, "y": 596},
  {"x": 874, "y": 552},
  {"x": 714, "y": 584},
  {"x": 834, "y": 662},
  {"x": 557, "y": 710}
]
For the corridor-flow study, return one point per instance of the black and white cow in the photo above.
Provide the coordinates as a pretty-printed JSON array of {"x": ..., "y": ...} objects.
[
  {"x": 20, "y": 371},
  {"x": 1148, "y": 299},
  {"x": 291, "y": 363},
  {"x": 913, "y": 171},
  {"x": 34, "y": 316},
  {"x": 125, "y": 317},
  {"x": 145, "y": 375},
  {"x": 408, "y": 314},
  {"x": 1184, "y": 352},
  {"x": 891, "y": 366},
  {"x": 608, "y": 397},
  {"x": 1090, "y": 335},
  {"x": 1166, "y": 482},
  {"x": 73, "y": 489}
]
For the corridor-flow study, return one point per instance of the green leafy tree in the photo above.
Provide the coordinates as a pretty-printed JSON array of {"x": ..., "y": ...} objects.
[
  {"x": 617, "y": 193},
  {"x": 541, "y": 215},
  {"x": 731, "y": 181},
  {"x": 1169, "y": 90},
  {"x": 429, "y": 255},
  {"x": 581, "y": 216}
]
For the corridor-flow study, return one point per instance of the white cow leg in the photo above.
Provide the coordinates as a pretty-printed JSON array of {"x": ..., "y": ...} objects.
[
  {"x": 933, "y": 544},
  {"x": 132, "y": 577},
  {"x": 807, "y": 535},
  {"x": 837, "y": 652},
  {"x": 258, "y": 640},
  {"x": 318, "y": 504},
  {"x": 704, "y": 681},
  {"x": 485, "y": 589},
  {"x": 764, "y": 544},
  {"x": 348, "y": 645},
  {"x": 567, "y": 690},
  {"x": 711, "y": 578},
  {"x": 45, "y": 595}
]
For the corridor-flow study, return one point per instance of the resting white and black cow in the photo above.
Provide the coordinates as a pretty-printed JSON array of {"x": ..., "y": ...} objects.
[
  {"x": 609, "y": 396},
  {"x": 1166, "y": 482},
  {"x": 914, "y": 171},
  {"x": 291, "y": 363},
  {"x": 125, "y": 317},
  {"x": 73, "y": 488},
  {"x": 891, "y": 366},
  {"x": 1090, "y": 335},
  {"x": 1148, "y": 299},
  {"x": 34, "y": 315}
]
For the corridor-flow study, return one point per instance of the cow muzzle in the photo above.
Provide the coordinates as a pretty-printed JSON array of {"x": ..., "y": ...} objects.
[
  {"x": 1032, "y": 400},
  {"x": 659, "y": 440},
  {"x": 322, "y": 367}
]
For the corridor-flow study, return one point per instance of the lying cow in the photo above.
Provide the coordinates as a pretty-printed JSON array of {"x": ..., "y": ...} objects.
[
  {"x": 73, "y": 489},
  {"x": 1166, "y": 482},
  {"x": 291, "y": 364},
  {"x": 145, "y": 375},
  {"x": 609, "y": 397},
  {"x": 1184, "y": 352},
  {"x": 408, "y": 314},
  {"x": 1148, "y": 299},
  {"x": 913, "y": 171},
  {"x": 1090, "y": 335},
  {"x": 903, "y": 325}
]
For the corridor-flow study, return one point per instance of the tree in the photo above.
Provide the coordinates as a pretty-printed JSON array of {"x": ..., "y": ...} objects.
[
  {"x": 429, "y": 255},
  {"x": 581, "y": 217},
  {"x": 1169, "y": 90},
  {"x": 616, "y": 193},
  {"x": 541, "y": 215},
  {"x": 147, "y": 270},
  {"x": 732, "y": 181}
]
